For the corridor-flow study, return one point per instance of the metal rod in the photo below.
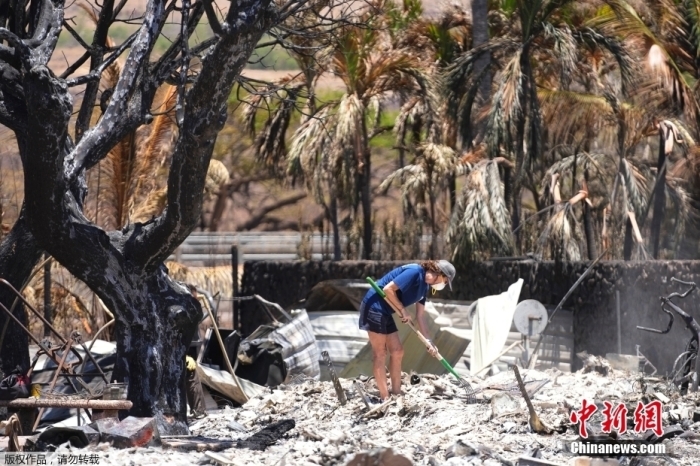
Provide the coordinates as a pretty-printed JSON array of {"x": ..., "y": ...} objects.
[
  {"x": 619, "y": 325},
  {"x": 53, "y": 381},
  {"x": 14, "y": 303},
  {"x": 31, "y": 308},
  {"x": 234, "y": 277},
  {"x": 223, "y": 350},
  {"x": 561, "y": 303}
]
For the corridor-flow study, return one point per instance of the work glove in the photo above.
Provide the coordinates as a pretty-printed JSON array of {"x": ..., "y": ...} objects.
[{"x": 190, "y": 363}]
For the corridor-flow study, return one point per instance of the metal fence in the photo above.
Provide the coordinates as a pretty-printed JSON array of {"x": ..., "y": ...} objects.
[{"x": 214, "y": 248}]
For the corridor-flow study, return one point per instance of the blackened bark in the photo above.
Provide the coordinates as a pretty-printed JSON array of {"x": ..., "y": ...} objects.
[
  {"x": 156, "y": 320},
  {"x": 19, "y": 253}
]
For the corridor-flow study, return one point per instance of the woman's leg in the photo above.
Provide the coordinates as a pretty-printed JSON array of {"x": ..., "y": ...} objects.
[
  {"x": 393, "y": 342},
  {"x": 378, "y": 342}
]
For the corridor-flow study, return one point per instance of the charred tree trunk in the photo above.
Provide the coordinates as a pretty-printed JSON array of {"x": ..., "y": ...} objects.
[
  {"x": 155, "y": 316},
  {"x": 152, "y": 362},
  {"x": 19, "y": 253}
]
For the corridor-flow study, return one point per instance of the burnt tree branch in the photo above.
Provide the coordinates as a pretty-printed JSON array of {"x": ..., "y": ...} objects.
[
  {"x": 262, "y": 212},
  {"x": 204, "y": 116}
]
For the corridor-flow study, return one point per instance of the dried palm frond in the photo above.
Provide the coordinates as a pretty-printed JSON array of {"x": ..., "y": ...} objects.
[
  {"x": 217, "y": 176},
  {"x": 156, "y": 148},
  {"x": 480, "y": 224},
  {"x": 560, "y": 235},
  {"x": 684, "y": 209},
  {"x": 428, "y": 175},
  {"x": 662, "y": 57},
  {"x": 506, "y": 108},
  {"x": 270, "y": 144},
  {"x": 308, "y": 141},
  {"x": 568, "y": 114},
  {"x": 636, "y": 187},
  {"x": 152, "y": 206},
  {"x": 625, "y": 63},
  {"x": 565, "y": 47}
]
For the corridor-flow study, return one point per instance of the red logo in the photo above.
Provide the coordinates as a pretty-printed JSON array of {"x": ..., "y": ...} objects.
[
  {"x": 615, "y": 418},
  {"x": 582, "y": 415},
  {"x": 646, "y": 417}
]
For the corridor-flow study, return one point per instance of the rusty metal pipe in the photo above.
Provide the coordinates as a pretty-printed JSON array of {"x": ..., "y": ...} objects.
[
  {"x": 37, "y": 313},
  {"x": 24, "y": 403}
]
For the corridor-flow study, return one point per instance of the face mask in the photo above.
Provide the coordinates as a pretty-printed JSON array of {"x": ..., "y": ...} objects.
[{"x": 438, "y": 286}]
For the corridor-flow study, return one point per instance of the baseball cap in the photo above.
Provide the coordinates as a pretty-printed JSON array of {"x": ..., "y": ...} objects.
[{"x": 448, "y": 269}]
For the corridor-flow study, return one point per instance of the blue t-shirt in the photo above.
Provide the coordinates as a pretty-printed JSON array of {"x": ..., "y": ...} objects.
[{"x": 412, "y": 288}]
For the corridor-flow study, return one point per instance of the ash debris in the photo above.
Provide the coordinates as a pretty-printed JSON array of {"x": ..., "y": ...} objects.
[{"x": 431, "y": 424}]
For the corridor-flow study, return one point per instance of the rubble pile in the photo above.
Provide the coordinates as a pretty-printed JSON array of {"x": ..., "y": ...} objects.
[{"x": 431, "y": 424}]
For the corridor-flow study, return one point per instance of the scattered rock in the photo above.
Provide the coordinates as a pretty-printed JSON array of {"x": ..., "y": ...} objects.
[
  {"x": 132, "y": 432},
  {"x": 593, "y": 363},
  {"x": 504, "y": 403},
  {"x": 460, "y": 448},
  {"x": 233, "y": 425},
  {"x": 380, "y": 457}
]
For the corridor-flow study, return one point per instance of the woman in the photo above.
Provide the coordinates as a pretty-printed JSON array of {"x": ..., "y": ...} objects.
[{"x": 403, "y": 286}]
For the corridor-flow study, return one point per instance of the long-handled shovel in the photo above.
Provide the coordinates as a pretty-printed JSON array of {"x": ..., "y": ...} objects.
[{"x": 463, "y": 383}]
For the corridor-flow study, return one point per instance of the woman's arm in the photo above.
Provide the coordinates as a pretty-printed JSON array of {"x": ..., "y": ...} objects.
[
  {"x": 420, "y": 317},
  {"x": 390, "y": 289}
]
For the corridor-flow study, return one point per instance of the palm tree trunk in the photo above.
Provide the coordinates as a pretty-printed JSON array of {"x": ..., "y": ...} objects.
[
  {"x": 452, "y": 183},
  {"x": 336, "y": 230},
  {"x": 588, "y": 226},
  {"x": 365, "y": 195},
  {"x": 627, "y": 249},
  {"x": 517, "y": 180},
  {"x": 480, "y": 35},
  {"x": 433, "y": 222},
  {"x": 659, "y": 193}
]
